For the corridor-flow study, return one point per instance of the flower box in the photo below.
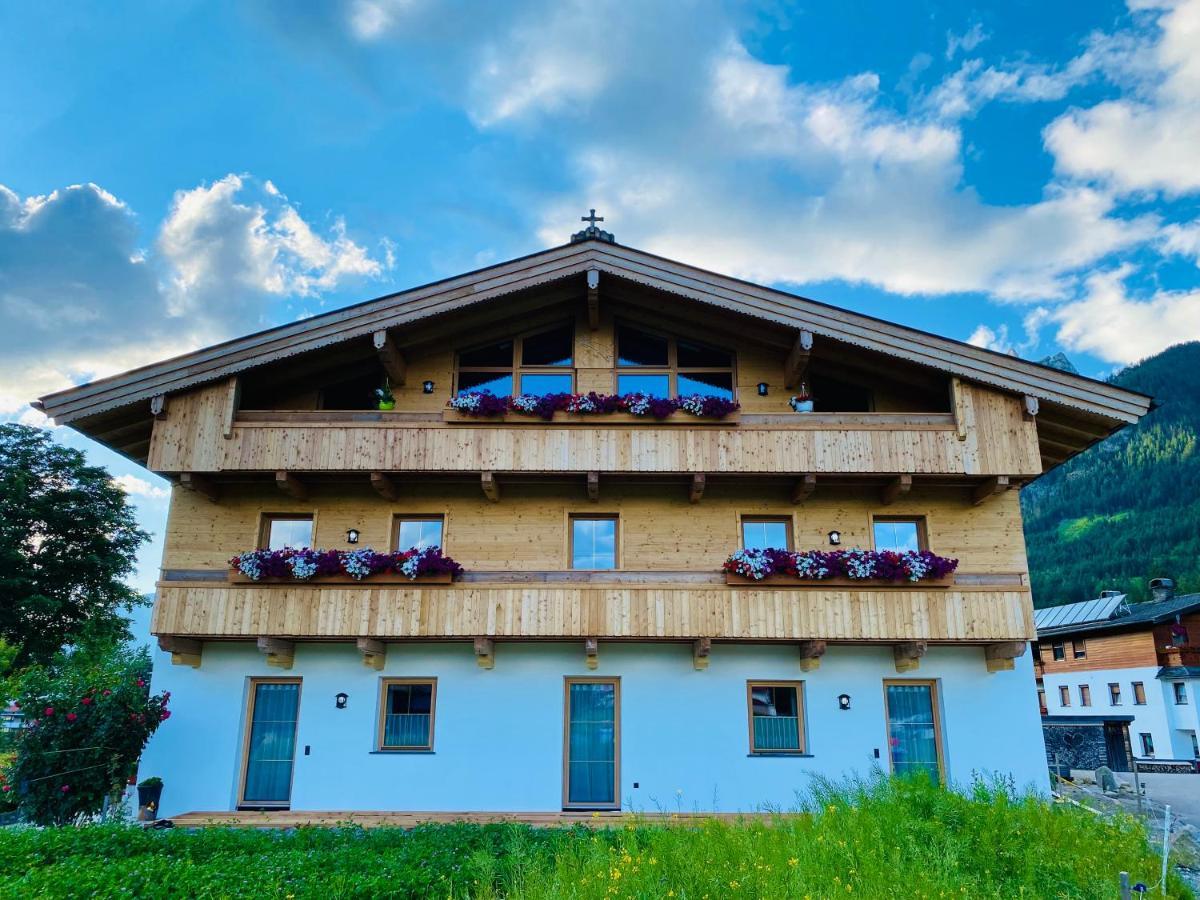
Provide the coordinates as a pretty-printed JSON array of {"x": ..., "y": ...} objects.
[
  {"x": 594, "y": 419},
  {"x": 343, "y": 578},
  {"x": 788, "y": 581}
]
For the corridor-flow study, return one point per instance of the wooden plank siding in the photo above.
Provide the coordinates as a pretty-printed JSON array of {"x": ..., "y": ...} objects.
[
  {"x": 1000, "y": 441},
  {"x": 1126, "y": 650},
  {"x": 606, "y": 612}
]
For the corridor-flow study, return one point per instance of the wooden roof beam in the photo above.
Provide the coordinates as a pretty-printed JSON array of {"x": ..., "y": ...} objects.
[
  {"x": 1030, "y": 406},
  {"x": 291, "y": 485},
  {"x": 491, "y": 487},
  {"x": 485, "y": 652},
  {"x": 390, "y": 357},
  {"x": 696, "y": 491},
  {"x": 796, "y": 366},
  {"x": 593, "y": 298},
  {"x": 1000, "y": 657},
  {"x": 701, "y": 648},
  {"x": 158, "y": 406},
  {"x": 184, "y": 651},
  {"x": 989, "y": 489},
  {"x": 201, "y": 484},
  {"x": 280, "y": 653},
  {"x": 384, "y": 486},
  {"x": 803, "y": 488},
  {"x": 374, "y": 653},
  {"x": 591, "y": 652},
  {"x": 893, "y": 490},
  {"x": 593, "y": 486}
]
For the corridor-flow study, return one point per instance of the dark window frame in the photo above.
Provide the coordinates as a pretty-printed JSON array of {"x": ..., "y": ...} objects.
[
  {"x": 517, "y": 369},
  {"x": 672, "y": 369}
]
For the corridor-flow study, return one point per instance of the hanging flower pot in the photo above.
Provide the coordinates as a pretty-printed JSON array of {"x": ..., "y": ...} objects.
[
  {"x": 384, "y": 396},
  {"x": 802, "y": 402}
]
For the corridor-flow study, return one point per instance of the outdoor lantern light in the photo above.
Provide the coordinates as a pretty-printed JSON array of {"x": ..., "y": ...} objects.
[
  {"x": 843, "y": 701},
  {"x": 351, "y": 535},
  {"x": 835, "y": 537},
  {"x": 427, "y": 387},
  {"x": 762, "y": 389},
  {"x": 340, "y": 699}
]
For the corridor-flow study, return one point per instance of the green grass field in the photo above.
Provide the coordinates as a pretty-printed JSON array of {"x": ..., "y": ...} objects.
[{"x": 879, "y": 838}]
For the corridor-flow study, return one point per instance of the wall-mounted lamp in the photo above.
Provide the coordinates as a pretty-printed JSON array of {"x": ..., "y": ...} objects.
[
  {"x": 340, "y": 699},
  {"x": 762, "y": 389},
  {"x": 351, "y": 535},
  {"x": 843, "y": 701},
  {"x": 835, "y": 537},
  {"x": 427, "y": 387}
]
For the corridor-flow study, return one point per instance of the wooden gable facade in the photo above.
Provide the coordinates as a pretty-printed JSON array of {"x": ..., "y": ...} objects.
[{"x": 906, "y": 425}]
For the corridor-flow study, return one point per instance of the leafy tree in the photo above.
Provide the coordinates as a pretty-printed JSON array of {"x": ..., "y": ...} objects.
[
  {"x": 1128, "y": 509},
  {"x": 68, "y": 538},
  {"x": 88, "y": 718}
]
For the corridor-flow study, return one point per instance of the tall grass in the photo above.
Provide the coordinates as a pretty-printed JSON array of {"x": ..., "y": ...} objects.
[{"x": 872, "y": 838}]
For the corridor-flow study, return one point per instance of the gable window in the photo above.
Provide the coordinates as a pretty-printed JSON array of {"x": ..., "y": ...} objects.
[
  {"x": 1180, "y": 689},
  {"x": 281, "y": 530},
  {"x": 417, "y": 532},
  {"x": 899, "y": 534},
  {"x": 1147, "y": 744},
  {"x": 763, "y": 532},
  {"x": 1064, "y": 695},
  {"x": 1114, "y": 693},
  {"x": 593, "y": 542},
  {"x": 776, "y": 716},
  {"x": 1085, "y": 695},
  {"x": 406, "y": 713},
  {"x": 1058, "y": 651},
  {"x": 539, "y": 363},
  {"x": 1139, "y": 694},
  {"x": 661, "y": 366},
  {"x": 1079, "y": 648}
]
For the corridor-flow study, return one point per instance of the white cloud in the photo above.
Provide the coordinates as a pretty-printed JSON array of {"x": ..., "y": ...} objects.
[
  {"x": 991, "y": 338},
  {"x": 1146, "y": 142},
  {"x": 81, "y": 299},
  {"x": 1117, "y": 328},
  {"x": 966, "y": 42},
  {"x": 139, "y": 487},
  {"x": 1183, "y": 240}
]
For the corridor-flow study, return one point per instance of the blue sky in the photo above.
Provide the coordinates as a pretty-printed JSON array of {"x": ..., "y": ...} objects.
[{"x": 1022, "y": 175}]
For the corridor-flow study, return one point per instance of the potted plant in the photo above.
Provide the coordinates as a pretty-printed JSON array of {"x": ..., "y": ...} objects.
[
  {"x": 802, "y": 402},
  {"x": 149, "y": 795},
  {"x": 384, "y": 396}
]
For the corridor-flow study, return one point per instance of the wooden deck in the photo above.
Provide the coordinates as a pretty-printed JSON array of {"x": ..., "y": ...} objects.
[{"x": 298, "y": 818}]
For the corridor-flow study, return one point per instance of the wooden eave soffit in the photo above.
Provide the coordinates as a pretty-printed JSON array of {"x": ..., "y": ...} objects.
[
  {"x": 390, "y": 357},
  {"x": 796, "y": 366}
]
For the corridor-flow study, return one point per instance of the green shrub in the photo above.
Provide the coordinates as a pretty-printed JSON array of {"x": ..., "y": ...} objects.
[
  {"x": 88, "y": 721},
  {"x": 878, "y": 838}
]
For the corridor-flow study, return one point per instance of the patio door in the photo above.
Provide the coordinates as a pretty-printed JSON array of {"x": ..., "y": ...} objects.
[
  {"x": 592, "y": 743},
  {"x": 914, "y": 732},
  {"x": 270, "y": 750}
]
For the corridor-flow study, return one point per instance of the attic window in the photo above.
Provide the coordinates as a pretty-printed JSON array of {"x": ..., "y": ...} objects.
[
  {"x": 539, "y": 363},
  {"x": 661, "y": 366}
]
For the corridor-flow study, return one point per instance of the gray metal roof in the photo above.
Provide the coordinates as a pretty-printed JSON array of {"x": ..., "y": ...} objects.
[
  {"x": 1099, "y": 610},
  {"x": 1151, "y": 613}
]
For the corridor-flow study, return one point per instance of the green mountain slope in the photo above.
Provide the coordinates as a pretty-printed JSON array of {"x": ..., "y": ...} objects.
[{"x": 1128, "y": 509}]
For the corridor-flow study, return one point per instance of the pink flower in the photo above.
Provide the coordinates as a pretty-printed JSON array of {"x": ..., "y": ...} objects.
[
  {"x": 6, "y": 788},
  {"x": 65, "y": 788},
  {"x": 49, "y": 710},
  {"x": 86, "y": 701},
  {"x": 71, "y": 717},
  {"x": 107, "y": 693},
  {"x": 141, "y": 683},
  {"x": 166, "y": 714}
]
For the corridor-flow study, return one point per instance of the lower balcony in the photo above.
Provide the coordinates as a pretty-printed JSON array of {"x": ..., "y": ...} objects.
[{"x": 992, "y": 610}]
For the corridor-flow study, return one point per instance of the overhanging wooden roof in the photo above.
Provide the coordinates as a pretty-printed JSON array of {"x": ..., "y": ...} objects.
[{"x": 1107, "y": 402}]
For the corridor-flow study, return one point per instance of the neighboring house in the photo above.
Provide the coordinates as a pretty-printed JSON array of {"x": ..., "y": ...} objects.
[
  {"x": 1132, "y": 667},
  {"x": 593, "y": 654}
]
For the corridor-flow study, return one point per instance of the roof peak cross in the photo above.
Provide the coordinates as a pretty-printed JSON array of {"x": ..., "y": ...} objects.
[{"x": 592, "y": 232}]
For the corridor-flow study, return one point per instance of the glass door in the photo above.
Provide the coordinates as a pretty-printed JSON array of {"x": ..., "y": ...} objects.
[
  {"x": 591, "y": 752},
  {"x": 271, "y": 742},
  {"x": 914, "y": 734}
]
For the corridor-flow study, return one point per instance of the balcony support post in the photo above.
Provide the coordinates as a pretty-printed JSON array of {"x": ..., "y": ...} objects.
[
  {"x": 810, "y": 655},
  {"x": 280, "y": 653},
  {"x": 701, "y": 648},
  {"x": 908, "y": 655},
  {"x": 485, "y": 653},
  {"x": 184, "y": 651},
  {"x": 1001, "y": 657},
  {"x": 374, "y": 653},
  {"x": 591, "y": 649}
]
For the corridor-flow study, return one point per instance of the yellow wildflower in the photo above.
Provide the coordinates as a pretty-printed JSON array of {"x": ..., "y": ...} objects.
[{"x": 793, "y": 861}]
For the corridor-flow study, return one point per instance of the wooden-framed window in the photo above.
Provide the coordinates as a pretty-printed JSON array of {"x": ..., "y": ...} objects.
[
  {"x": 1114, "y": 693},
  {"x": 1139, "y": 693},
  {"x": 914, "y": 727},
  {"x": 1042, "y": 701},
  {"x": 1064, "y": 695},
  {"x": 761, "y": 532},
  {"x": 662, "y": 366},
  {"x": 591, "y": 743},
  {"x": 1180, "y": 689},
  {"x": 592, "y": 543},
  {"x": 269, "y": 743},
  {"x": 776, "y": 711},
  {"x": 1079, "y": 648},
  {"x": 539, "y": 362},
  {"x": 899, "y": 533},
  {"x": 1147, "y": 740},
  {"x": 419, "y": 531},
  {"x": 1085, "y": 695},
  {"x": 279, "y": 530},
  {"x": 406, "y": 713},
  {"x": 1058, "y": 650}
]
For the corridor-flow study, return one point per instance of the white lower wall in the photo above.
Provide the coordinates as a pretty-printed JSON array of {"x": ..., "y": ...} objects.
[{"x": 499, "y": 732}]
